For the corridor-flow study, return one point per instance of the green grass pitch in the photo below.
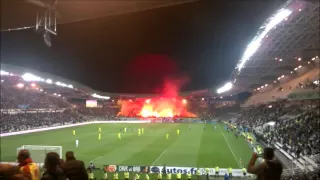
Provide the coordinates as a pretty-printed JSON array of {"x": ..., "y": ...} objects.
[{"x": 198, "y": 147}]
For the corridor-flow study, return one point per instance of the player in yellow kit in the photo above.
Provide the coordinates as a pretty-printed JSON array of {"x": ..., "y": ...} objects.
[
  {"x": 167, "y": 136},
  {"x": 74, "y": 132},
  {"x": 125, "y": 129},
  {"x": 139, "y": 132},
  {"x": 142, "y": 130},
  {"x": 99, "y": 136},
  {"x": 99, "y": 130},
  {"x": 178, "y": 131},
  {"x": 119, "y": 136}
]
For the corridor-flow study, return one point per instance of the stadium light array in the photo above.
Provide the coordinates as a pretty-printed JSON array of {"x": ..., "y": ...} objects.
[
  {"x": 257, "y": 41},
  {"x": 64, "y": 85},
  {"x": 49, "y": 81},
  {"x": 225, "y": 88},
  {"x": 31, "y": 77},
  {"x": 4, "y": 73},
  {"x": 99, "y": 96}
]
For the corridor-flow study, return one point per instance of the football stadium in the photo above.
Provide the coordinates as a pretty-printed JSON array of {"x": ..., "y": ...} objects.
[{"x": 261, "y": 122}]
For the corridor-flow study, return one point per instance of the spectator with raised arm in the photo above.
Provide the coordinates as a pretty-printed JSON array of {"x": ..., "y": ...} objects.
[{"x": 269, "y": 169}]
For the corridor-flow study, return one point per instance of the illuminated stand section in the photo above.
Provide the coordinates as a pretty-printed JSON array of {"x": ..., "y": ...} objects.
[{"x": 38, "y": 153}]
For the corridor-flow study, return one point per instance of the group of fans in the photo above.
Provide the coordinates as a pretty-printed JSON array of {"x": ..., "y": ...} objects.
[
  {"x": 12, "y": 98},
  {"x": 296, "y": 125},
  {"x": 72, "y": 169},
  {"x": 28, "y": 121},
  {"x": 296, "y": 128}
]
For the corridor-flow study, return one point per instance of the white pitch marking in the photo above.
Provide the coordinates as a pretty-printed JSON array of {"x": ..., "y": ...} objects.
[
  {"x": 230, "y": 148},
  {"x": 160, "y": 156},
  {"x": 96, "y": 158}
]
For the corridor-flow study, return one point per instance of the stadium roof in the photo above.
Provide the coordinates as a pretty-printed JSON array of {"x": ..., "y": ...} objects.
[
  {"x": 23, "y": 12},
  {"x": 280, "y": 46},
  {"x": 70, "y": 89},
  {"x": 278, "y": 50}
]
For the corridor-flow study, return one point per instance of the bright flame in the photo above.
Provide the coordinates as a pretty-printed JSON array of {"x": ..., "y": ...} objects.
[
  {"x": 167, "y": 104},
  {"x": 155, "y": 107},
  {"x": 184, "y": 101}
]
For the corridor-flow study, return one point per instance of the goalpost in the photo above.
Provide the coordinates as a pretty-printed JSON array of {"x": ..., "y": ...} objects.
[{"x": 38, "y": 153}]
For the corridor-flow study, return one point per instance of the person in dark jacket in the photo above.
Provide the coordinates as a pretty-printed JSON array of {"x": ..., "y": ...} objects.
[
  {"x": 269, "y": 169},
  {"x": 74, "y": 169},
  {"x": 8, "y": 171},
  {"x": 52, "y": 165}
]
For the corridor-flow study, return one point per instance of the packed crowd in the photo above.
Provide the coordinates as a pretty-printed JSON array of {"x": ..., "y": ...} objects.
[
  {"x": 27, "y": 121},
  {"x": 308, "y": 84},
  {"x": 296, "y": 125},
  {"x": 14, "y": 98},
  {"x": 104, "y": 113}
]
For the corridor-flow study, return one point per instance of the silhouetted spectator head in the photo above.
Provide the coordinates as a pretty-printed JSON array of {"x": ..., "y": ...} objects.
[
  {"x": 23, "y": 155},
  {"x": 70, "y": 156},
  {"x": 268, "y": 153},
  {"x": 52, "y": 160}
]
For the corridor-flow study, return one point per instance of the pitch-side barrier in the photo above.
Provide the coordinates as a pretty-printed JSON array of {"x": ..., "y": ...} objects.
[
  {"x": 71, "y": 125},
  {"x": 172, "y": 170}
]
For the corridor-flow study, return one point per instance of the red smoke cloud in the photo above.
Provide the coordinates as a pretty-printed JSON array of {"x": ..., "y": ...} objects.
[{"x": 168, "y": 104}]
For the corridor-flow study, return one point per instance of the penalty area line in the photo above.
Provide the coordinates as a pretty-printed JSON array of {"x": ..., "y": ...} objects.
[
  {"x": 160, "y": 156},
  {"x": 96, "y": 158},
  {"x": 230, "y": 147}
]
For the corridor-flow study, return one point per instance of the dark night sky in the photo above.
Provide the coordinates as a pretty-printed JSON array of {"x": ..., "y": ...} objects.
[{"x": 134, "y": 53}]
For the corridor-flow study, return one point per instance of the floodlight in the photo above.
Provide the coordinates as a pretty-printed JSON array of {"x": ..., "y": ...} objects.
[
  {"x": 5, "y": 73},
  {"x": 225, "y": 88},
  {"x": 49, "y": 81}
]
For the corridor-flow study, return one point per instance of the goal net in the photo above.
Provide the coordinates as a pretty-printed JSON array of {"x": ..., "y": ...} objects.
[{"x": 38, "y": 153}]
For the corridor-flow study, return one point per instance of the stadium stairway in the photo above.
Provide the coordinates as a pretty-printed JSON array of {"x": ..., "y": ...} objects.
[{"x": 302, "y": 163}]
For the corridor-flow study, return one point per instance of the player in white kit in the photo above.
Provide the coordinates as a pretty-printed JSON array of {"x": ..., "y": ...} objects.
[{"x": 77, "y": 143}]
